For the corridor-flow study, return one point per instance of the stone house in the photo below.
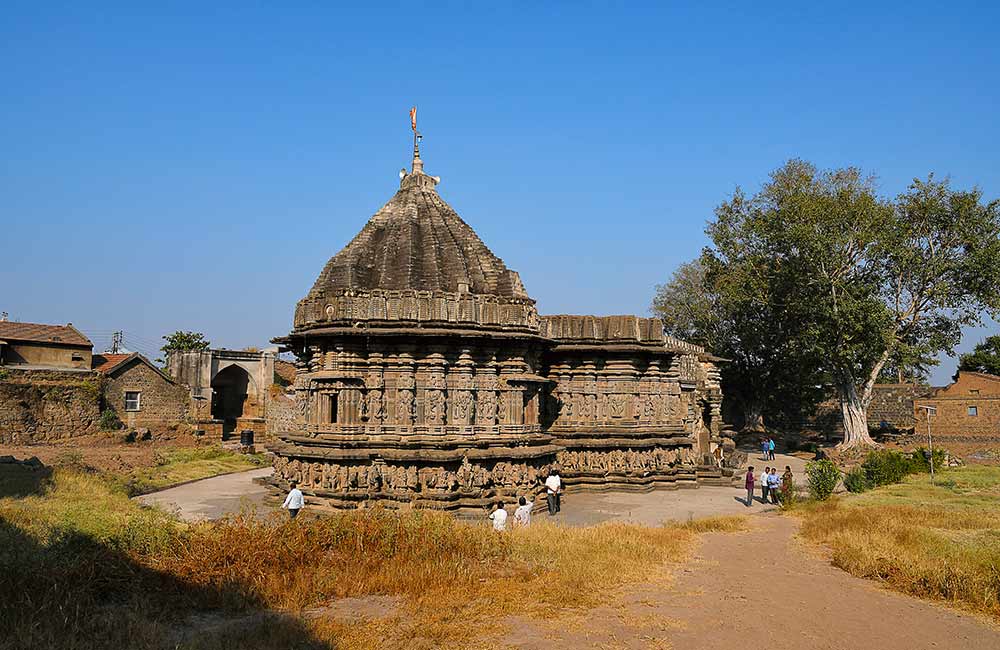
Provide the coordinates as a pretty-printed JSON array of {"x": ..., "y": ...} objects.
[
  {"x": 968, "y": 408},
  {"x": 142, "y": 395},
  {"x": 46, "y": 347}
]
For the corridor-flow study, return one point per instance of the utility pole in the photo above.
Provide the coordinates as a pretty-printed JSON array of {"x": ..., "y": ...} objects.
[
  {"x": 929, "y": 410},
  {"x": 116, "y": 342}
]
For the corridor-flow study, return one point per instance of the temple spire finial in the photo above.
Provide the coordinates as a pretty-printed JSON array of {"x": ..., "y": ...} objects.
[{"x": 418, "y": 165}]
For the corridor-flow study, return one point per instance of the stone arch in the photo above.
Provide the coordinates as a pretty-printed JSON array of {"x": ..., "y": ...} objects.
[{"x": 232, "y": 388}]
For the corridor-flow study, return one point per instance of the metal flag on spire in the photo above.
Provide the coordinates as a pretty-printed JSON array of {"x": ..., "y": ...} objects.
[{"x": 413, "y": 119}]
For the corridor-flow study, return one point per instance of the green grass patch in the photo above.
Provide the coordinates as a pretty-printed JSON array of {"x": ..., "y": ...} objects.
[{"x": 182, "y": 465}]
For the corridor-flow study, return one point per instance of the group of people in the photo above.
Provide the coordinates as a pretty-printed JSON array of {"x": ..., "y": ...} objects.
[
  {"x": 522, "y": 515},
  {"x": 777, "y": 487},
  {"x": 767, "y": 448}
]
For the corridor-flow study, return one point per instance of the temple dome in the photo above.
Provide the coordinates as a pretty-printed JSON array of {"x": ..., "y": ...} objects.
[
  {"x": 416, "y": 261},
  {"x": 417, "y": 241}
]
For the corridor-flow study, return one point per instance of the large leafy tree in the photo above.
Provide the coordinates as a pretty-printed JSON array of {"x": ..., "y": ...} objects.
[
  {"x": 765, "y": 373},
  {"x": 985, "y": 357},
  {"x": 864, "y": 280}
]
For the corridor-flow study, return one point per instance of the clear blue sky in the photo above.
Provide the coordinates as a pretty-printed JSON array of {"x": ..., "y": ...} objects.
[{"x": 193, "y": 167}]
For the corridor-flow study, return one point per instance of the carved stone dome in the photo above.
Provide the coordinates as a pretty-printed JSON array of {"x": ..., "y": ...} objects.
[
  {"x": 417, "y": 261},
  {"x": 417, "y": 241}
]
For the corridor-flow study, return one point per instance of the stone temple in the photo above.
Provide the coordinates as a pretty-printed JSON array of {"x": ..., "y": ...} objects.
[{"x": 426, "y": 377}]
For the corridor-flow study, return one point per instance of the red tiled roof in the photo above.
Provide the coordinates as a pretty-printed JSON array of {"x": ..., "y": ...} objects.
[
  {"x": 65, "y": 334},
  {"x": 105, "y": 362}
]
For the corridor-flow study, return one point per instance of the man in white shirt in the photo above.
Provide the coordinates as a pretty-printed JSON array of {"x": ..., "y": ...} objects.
[
  {"x": 499, "y": 518},
  {"x": 294, "y": 501},
  {"x": 553, "y": 486},
  {"x": 522, "y": 516}
]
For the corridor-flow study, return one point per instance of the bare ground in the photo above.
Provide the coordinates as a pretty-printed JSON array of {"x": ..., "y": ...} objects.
[{"x": 762, "y": 588}]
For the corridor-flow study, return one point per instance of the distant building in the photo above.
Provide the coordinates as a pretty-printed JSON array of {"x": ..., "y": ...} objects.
[
  {"x": 44, "y": 347},
  {"x": 142, "y": 395},
  {"x": 229, "y": 389},
  {"x": 967, "y": 408}
]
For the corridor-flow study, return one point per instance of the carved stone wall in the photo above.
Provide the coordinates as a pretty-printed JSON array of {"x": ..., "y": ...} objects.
[{"x": 630, "y": 406}]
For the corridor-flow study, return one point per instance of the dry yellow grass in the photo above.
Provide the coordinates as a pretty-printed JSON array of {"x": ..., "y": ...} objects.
[
  {"x": 939, "y": 541},
  {"x": 81, "y": 566}
]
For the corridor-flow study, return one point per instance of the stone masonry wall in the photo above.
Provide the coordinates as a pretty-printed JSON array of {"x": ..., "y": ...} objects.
[
  {"x": 162, "y": 405},
  {"x": 280, "y": 413},
  {"x": 42, "y": 405}
]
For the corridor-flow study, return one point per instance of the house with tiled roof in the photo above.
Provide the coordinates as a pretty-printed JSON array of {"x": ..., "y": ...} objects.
[
  {"x": 47, "y": 347},
  {"x": 140, "y": 394}
]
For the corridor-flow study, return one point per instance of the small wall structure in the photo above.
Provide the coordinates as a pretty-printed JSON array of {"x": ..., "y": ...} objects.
[
  {"x": 228, "y": 389},
  {"x": 967, "y": 409},
  {"x": 38, "y": 406}
]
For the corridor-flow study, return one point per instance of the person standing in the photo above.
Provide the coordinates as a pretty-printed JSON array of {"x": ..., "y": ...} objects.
[
  {"x": 774, "y": 485},
  {"x": 294, "y": 501},
  {"x": 787, "y": 483},
  {"x": 553, "y": 486},
  {"x": 499, "y": 518},
  {"x": 764, "y": 449},
  {"x": 522, "y": 516},
  {"x": 763, "y": 484},
  {"x": 749, "y": 485},
  {"x": 770, "y": 449}
]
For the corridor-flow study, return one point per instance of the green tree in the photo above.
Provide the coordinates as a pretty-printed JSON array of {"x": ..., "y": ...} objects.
[
  {"x": 864, "y": 279},
  {"x": 765, "y": 373},
  {"x": 985, "y": 357},
  {"x": 181, "y": 341}
]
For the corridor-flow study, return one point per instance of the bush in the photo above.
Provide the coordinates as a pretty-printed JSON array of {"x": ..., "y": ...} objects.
[
  {"x": 823, "y": 478},
  {"x": 885, "y": 467},
  {"x": 919, "y": 462},
  {"x": 856, "y": 480},
  {"x": 109, "y": 421}
]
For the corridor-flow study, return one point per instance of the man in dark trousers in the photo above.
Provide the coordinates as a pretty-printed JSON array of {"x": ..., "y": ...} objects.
[{"x": 749, "y": 485}]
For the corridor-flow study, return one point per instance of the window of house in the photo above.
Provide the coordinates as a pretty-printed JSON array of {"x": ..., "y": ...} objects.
[
  {"x": 132, "y": 400},
  {"x": 974, "y": 391},
  {"x": 333, "y": 408},
  {"x": 973, "y": 411},
  {"x": 77, "y": 356}
]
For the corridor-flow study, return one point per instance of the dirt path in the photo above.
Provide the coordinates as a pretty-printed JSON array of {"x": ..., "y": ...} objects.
[{"x": 762, "y": 588}]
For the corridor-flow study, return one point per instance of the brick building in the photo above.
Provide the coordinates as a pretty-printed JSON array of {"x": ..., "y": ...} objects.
[
  {"x": 967, "y": 408},
  {"x": 142, "y": 395},
  {"x": 46, "y": 347}
]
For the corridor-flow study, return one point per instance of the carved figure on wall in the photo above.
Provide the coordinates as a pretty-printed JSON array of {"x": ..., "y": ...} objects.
[
  {"x": 486, "y": 409},
  {"x": 617, "y": 404},
  {"x": 463, "y": 407},
  {"x": 502, "y": 410},
  {"x": 435, "y": 406},
  {"x": 404, "y": 407}
]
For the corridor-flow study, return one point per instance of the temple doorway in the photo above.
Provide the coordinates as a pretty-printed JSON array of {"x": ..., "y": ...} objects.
[{"x": 229, "y": 395}]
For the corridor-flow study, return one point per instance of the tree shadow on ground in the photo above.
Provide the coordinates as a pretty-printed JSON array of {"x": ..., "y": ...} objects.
[{"x": 73, "y": 592}]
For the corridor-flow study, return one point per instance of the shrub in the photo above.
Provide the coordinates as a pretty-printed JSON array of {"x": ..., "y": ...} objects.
[
  {"x": 884, "y": 467},
  {"x": 823, "y": 478},
  {"x": 109, "y": 421},
  {"x": 856, "y": 480},
  {"x": 919, "y": 463}
]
